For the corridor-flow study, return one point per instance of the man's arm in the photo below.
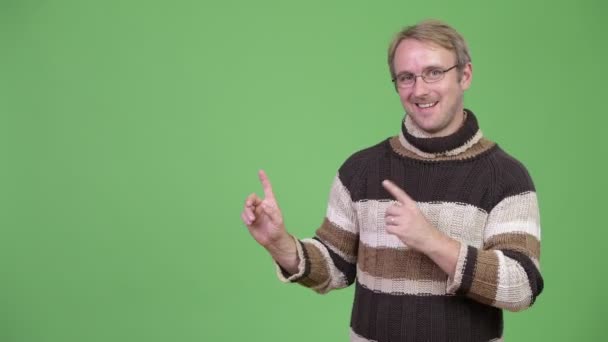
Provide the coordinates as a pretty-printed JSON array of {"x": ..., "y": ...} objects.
[
  {"x": 324, "y": 263},
  {"x": 409, "y": 224},
  {"x": 264, "y": 220},
  {"x": 504, "y": 273}
]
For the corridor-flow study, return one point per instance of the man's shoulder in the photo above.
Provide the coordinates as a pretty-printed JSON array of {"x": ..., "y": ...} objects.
[
  {"x": 507, "y": 161},
  {"x": 511, "y": 174},
  {"x": 366, "y": 155},
  {"x": 371, "y": 152},
  {"x": 357, "y": 163}
]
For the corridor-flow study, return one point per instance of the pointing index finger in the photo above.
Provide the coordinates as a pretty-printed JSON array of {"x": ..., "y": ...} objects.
[
  {"x": 396, "y": 192},
  {"x": 266, "y": 185}
]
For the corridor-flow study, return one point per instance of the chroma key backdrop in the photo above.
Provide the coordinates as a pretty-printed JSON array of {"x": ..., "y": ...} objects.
[{"x": 132, "y": 131}]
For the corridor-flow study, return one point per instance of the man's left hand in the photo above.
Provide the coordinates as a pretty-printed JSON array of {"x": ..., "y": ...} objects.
[{"x": 405, "y": 220}]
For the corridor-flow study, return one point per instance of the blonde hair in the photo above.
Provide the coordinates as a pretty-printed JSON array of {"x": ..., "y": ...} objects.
[{"x": 433, "y": 31}]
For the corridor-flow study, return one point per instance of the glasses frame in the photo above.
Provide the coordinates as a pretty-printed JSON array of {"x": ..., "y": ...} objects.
[{"x": 444, "y": 71}]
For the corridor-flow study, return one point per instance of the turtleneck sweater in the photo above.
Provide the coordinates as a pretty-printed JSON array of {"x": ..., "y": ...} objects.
[{"x": 469, "y": 189}]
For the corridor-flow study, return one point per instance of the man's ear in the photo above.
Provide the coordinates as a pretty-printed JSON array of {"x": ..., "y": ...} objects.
[{"x": 467, "y": 76}]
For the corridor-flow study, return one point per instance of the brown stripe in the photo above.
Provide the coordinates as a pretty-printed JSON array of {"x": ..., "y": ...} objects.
[
  {"x": 319, "y": 273},
  {"x": 519, "y": 242},
  {"x": 485, "y": 277},
  {"x": 394, "y": 263},
  {"x": 481, "y": 146},
  {"x": 346, "y": 242}
]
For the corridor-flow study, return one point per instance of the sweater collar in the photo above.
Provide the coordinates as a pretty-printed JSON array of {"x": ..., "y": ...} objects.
[{"x": 418, "y": 142}]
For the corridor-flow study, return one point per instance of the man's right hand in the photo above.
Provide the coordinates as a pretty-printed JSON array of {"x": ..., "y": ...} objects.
[{"x": 264, "y": 220}]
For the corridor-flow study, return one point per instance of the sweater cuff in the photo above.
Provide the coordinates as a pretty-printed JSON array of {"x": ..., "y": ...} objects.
[
  {"x": 285, "y": 276},
  {"x": 454, "y": 283}
]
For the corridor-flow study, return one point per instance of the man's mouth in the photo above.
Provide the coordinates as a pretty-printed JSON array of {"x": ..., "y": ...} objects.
[{"x": 426, "y": 105}]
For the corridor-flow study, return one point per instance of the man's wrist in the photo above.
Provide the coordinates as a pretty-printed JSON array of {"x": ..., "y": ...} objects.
[
  {"x": 285, "y": 252},
  {"x": 282, "y": 246},
  {"x": 444, "y": 251}
]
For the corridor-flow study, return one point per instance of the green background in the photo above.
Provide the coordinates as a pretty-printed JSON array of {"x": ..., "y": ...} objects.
[{"x": 131, "y": 133}]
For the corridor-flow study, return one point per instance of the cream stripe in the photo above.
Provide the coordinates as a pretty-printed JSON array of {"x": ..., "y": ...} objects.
[
  {"x": 354, "y": 337},
  {"x": 340, "y": 210},
  {"x": 515, "y": 213},
  {"x": 372, "y": 227},
  {"x": 528, "y": 227},
  {"x": 401, "y": 286},
  {"x": 513, "y": 291},
  {"x": 336, "y": 278},
  {"x": 463, "y": 222},
  {"x": 413, "y": 129}
]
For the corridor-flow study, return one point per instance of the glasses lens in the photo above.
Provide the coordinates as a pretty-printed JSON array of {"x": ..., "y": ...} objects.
[
  {"x": 405, "y": 78},
  {"x": 433, "y": 75}
]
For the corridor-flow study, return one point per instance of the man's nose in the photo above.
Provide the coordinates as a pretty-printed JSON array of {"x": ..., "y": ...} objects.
[{"x": 420, "y": 87}]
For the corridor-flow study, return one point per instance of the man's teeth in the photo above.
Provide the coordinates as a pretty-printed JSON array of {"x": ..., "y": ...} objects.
[{"x": 426, "y": 105}]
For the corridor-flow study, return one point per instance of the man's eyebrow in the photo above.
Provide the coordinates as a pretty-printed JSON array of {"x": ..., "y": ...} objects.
[
  {"x": 430, "y": 67},
  {"x": 434, "y": 67},
  {"x": 404, "y": 73}
]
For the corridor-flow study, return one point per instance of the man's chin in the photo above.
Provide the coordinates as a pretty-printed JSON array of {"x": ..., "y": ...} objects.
[{"x": 424, "y": 122}]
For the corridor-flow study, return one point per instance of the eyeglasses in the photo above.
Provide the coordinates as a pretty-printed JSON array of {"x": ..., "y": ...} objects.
[{"x": 432, "y": 75}]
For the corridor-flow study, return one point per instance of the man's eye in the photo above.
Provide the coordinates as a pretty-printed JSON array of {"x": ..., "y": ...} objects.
[
  {"x": 405, "y": 77},
  {"x": 435, "y": 72}
]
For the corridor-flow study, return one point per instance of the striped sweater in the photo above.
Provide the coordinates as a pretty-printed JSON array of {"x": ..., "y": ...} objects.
[{"x": 468, "y": 188}]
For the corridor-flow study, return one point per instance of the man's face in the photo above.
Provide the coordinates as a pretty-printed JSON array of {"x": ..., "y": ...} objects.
[{"x": 435, "y": 108}]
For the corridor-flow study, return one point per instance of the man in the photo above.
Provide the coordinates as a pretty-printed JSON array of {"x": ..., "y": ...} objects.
[{"x": 438, "y": 227}]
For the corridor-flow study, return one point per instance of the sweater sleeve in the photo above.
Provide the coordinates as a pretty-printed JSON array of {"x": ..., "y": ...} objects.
[
  {"x": 328, "y": 261},
  {"x": 505, "y": 271}
]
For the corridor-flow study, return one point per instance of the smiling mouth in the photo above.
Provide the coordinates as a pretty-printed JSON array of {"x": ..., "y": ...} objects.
[{"x": 426, "y": 105}]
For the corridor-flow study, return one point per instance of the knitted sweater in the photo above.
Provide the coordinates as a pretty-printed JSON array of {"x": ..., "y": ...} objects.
[{"x": 468, "y": 188}]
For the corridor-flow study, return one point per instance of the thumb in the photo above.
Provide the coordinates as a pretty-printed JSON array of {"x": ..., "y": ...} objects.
[{"x": 397, "y": 192}]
